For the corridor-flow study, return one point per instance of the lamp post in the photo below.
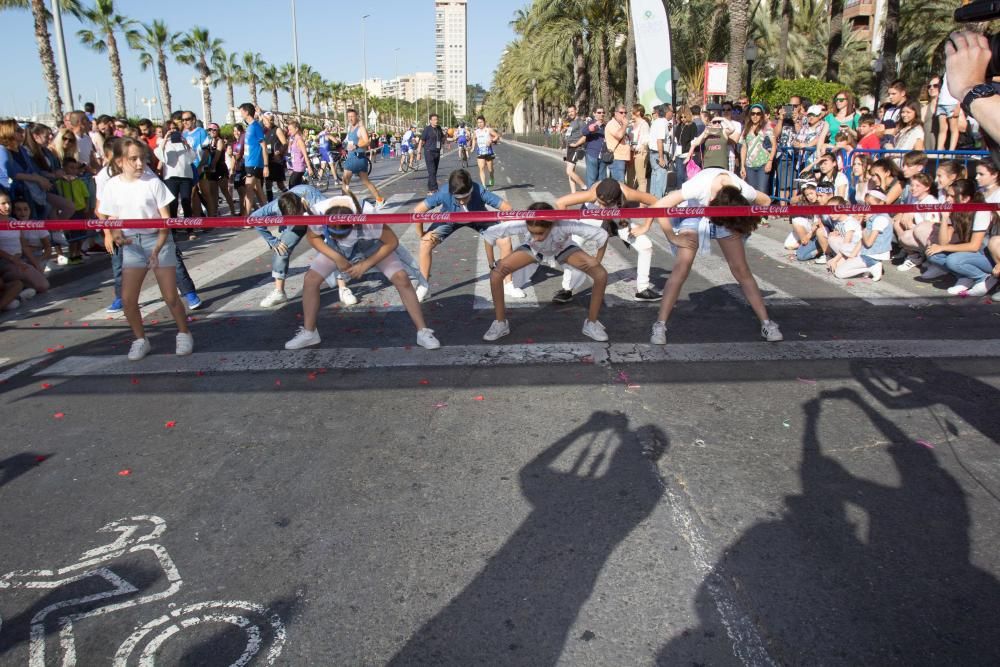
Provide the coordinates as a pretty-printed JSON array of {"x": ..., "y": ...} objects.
[
  {"x": 149, "y": 102},
  {"x": 67, "y": 89},
  {"x": 364, "y": 64},
  {"x": 201, "y": 84},
  {"x": 750, "y": 55},
  {"x": 295, "y": 50},
  {"x": 396, "y": 58}
]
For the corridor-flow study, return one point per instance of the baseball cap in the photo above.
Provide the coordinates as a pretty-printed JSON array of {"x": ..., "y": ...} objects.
[{"x": 815, "y": 110}]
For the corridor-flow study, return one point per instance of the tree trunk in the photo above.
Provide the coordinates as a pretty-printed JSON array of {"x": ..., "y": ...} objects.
[
  {"x": 536, "y": 116},
  {"x": 49, "y": 72},
  {"x": 161, "y": 69},
  {"x": 836, "y": 39},
  {"x": 739, "y": 21},
  {"x": 630, "y": 64},
  {"x": 116, "y": 75},
  {"x": 231, "y": 101},
  {"x": 786, "y": 24},
  {"x": 253, "y": 90},
  {"x": 604, "y": 74},
  {"x": 581, "y": 80},
  {"x": 890, "y": 45},
  {"x": 274, "y": 99},
  {"x": 206, "y": 90}
]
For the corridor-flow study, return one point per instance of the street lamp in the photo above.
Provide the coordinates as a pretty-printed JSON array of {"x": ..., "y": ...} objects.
[
  {"x": 201, "y": 83},
  {"x": 396, "y": 57},
  {"x": 364, "y": 64},
  {"x": 149, "y": 102},
  {"x": 295, "y": 50},
  {"x": 750, "y": 55}
]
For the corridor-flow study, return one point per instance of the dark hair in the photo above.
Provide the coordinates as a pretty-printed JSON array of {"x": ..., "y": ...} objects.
[
  {"x": 889, "y": 166},
  {"x": 433, "y": 115},
  {"x": 344, "y": 210},
  {"x": 805, "y": 102},
  {"x": 730, "y": 195},
  {"x": 899, "y": 85},
  {"x": 914, "y": 106},
  {"x": 459, "y": 181},
  {"x": 836, "y": 200},
  {"x": 104, "y": 118},
  {"x": 540, "y": 222},
  {"x": 961, "y": 222},
  {"x": 695, "y": 110},
  {"x": 290, "y": 203},
  {"x": 964, "y": 188},
  {"x": 249, "y": 108},
  {"x": 68, "y": 160},
  {"x": 915, "y": 158},
  {"x": 481, "y": 117},
  {"x": 145, "y": 122},
  {"x": 867, "y": 119},
  {"x": 121, "y": 150},
  {"x": 88, "y": 107},
  {"x": 954, "y": 167},
  {"x": 351, "y": 110}
]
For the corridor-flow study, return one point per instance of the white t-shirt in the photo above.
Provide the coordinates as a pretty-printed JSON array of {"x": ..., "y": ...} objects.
[
  {"x": 658, "y": 130},
  {"x": 100, "y": 180},
  {"x": 994, "y": 197},
  {"x": 356, "y": 234},
  {"x": 697, "y": 191},
  {"x": 139, "y": 199},
  {"x": 841, "y": 182},
  {"x": 559, "y": 238},
  {"x": 928, "y": 216},
  {"x": 981, "y": 221},
  {"x": 85, "y": 148},
  {"x": 35, "y": 236},
  {"x": 10, "y": 241}
]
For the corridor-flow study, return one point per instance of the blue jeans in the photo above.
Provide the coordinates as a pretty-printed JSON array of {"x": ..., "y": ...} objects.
[
  {"x": 975, "y": 266},
  {"x": 682, "y": 171},
  {"x": 596, "y": 171},
  {"x": 807, "y": 251},
  {"x": 184, "y": 283},
  {"x": 290, "y": 236},
  {"x": 759, "y": 179},
  {"x": 617, "y": 170},
  {"x": 657, "y": 178}
]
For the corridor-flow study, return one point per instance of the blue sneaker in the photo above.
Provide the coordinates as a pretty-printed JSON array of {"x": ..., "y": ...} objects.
[
  {"x": 115, "y": 307},
  {"x": 193, "y": 302}
]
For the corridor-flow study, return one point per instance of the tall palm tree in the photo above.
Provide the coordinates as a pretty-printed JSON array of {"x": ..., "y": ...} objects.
[
  {"x": 251, "y": 66},
  {"x": 105, "y": 22},
  {"x": 739, "y": 28},
  {"x": 305, "y": 79},
  {"x": 836, "y": 39},
  {"x": 287, "y": 73},
  {"x": 227, "y": 71},
  {"x": 153, "y": 42},
  {"x": 197, "y": 47},
  {"x": 317, "y": 85},
  {"x": 270, "y": 79},
  {"x": 41, "y": 18}
]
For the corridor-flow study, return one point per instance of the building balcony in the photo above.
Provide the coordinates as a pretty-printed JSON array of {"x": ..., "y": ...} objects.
[{"x": 853, "y": 8}]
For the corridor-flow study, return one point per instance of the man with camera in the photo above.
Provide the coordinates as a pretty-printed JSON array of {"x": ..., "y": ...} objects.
[{"x": 970, "y": 64}]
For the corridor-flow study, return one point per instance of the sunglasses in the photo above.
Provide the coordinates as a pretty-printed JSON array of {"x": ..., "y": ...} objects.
[
  {"x": 933, "y": 85},
  {"x": 213, "y": 129},
  {"x": 755, "y": 113},
  {"x": 187, "y": 118},
  {"x": 840, "y": 99}
]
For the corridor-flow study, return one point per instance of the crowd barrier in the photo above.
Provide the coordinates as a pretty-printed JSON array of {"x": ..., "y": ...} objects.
[{"x": 492, "y": 216}]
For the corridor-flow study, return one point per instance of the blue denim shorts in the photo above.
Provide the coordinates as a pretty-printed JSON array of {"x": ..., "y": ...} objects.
[
  {"x": 136, "y": 254},
  {"x": 692, "y": 224},
  {"x": 443, "y": 230}
]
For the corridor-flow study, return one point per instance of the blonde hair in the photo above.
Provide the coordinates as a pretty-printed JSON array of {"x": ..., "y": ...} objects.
[
  {"x": 59, "y": 148},
  {"x": 8, "y": 130}
]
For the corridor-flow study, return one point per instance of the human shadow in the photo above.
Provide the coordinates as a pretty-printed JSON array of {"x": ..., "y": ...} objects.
[
  {"x": 813, "y": 589},
  {"x": 13, "y": 467},
  {"x": 520, "y": 607}
]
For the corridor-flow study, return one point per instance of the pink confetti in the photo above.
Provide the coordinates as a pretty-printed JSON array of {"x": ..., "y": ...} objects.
[
  {"x": 36, "y": 324},
  {"x": 311, "y": 376},
  {"x": 86, "y": 324},
  {"x": 622, "y": 377},
  {"x": 50, "y": 350},
  {"x": 46, "y": 385},
  {"x": 529, "y": 341},
  {"x": 124, "y": 472},
  {"x": 479, "y": 398},
  {"x": 40, "y": 458},
  {"x": 925, "y": 444},
  {"x": 59, "y": 415},
  {"x": 850, "y": 284},
  {"x": 277, "y": 383},
  {"x": 440, "y": 405},
  {"x": 170, "y": 424},
  {"x": 425, "y": 382},
  {"x": 200, "y": 373},
  {"x": 806, "y": 381}
]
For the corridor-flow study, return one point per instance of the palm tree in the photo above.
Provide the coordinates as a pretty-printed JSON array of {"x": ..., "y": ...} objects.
[
  {"x": 305, "y": 81},
  {"x": 227, "y": 71},
  {"x": 252, "y": 64},
  {"x": 836, "y": 39},
  {"x": 153, "y": 42},
  {"x": 316, "y": 85},
  {"x": 287, "y": 73},
  {"x": 270, "y": 79},
  {"x": 105, "y": 22},
  {"x": 739, "y": 28},
  {"x": 41, "y": 18},
  {"x": 198, "y": 48}
]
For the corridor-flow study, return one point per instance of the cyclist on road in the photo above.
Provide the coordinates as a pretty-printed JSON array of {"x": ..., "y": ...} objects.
[
  {"x": 462, "y": 139},
  {"x": 356, "y": 162},
  {"x": 483, "y": 141},
  {"x": 325, "y": 143},
  {"x": 407, "y": 149}
]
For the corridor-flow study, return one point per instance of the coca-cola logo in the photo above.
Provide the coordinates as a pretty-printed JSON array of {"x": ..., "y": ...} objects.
[
  {"x": 602, "y": 212},
  {"x": 852, "y": 208},
  {"x": 105, "y": 224},
  {"x": 933, "y": 207},
  {"x": 341, "y": 218},
  {"x": 185, "y": 222},
  {"x": 431, "y": 217},
  {"x": 27, "y": 224},
  {"x": 769, "y": 210},
  {"x": 685, "y": 211},
  {"x": 266, "y": 221},
  {"x": 516, "y": 215}
]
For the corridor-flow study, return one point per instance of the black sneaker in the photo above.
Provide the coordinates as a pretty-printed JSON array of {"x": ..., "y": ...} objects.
[
  {"x": 648, "y": 294},
  {"x": 563, "y": 296}
]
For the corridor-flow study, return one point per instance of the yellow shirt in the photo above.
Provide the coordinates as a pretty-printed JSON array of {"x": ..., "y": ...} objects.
[{"x": 622, "y": 150}]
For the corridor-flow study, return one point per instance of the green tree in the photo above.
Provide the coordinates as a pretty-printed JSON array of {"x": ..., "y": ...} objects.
[
  {"x": 197, "y": 47},
  {"x": 104, "y": 24},
  {"x": 250, "y": 67},
  {"x": 287, "y": 74},
  {"x": 153, "y": 42},
  {"x": 270, "y": 79},
  {"x": 227, "y": 71}
]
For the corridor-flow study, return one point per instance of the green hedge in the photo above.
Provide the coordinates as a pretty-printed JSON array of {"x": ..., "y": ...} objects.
[{"x": 775, "y": 92}]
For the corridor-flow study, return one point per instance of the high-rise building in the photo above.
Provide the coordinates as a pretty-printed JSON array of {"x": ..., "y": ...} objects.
[{"x": 451, "y": 54}]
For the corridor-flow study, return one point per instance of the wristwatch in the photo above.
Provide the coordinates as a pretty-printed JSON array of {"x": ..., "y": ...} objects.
[{"x": 978, "y": 92}]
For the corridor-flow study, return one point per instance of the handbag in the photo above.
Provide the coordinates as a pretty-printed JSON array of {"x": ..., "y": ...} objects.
[
  {"x": 693, "y": 167},
  {"x": 608, "y": 156}
]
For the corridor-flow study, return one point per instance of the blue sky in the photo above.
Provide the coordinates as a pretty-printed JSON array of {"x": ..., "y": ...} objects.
[{"x": 329, "y": 41}]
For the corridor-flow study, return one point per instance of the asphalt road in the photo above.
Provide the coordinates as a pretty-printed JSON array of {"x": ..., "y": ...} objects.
[{"x": 833, "y": 499}]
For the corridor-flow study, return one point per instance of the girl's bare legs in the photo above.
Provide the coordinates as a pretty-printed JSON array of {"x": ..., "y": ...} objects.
[
  {"x": 131, "y": 286},
  {"x": 210, "y": 189},
  {"x": 683, "y": 261},
  {"x": 166, "y": 278},
  {"x": 310, "y": 299},
  {"x": 408, "y": 296},
  {"x": 736, "y": 257},
  {"x": 593, "y": 268},
  {"x": 502, "y": 272}
]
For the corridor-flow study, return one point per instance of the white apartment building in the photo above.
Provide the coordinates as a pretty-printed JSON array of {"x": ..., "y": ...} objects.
[
  {"x": 411, "y": 87},
  {"x": 451, "y": 53}
]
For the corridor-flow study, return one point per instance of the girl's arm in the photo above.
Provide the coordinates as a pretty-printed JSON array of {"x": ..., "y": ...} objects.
[
  {"x": 389, "y": 244},
  {"x": 974, "y": 244},
  {"x": 848, "y": 239},
  {"x": 636, "y": 195},
  {"x": 162, "y": 235},
  {"x": 320, "y": 246},
  {"x": 671, "y": 200},
  {"x": 697, "y": 141},
  {"x": 894, "y": 193},
  {"x": 576, "y": 198},
  {"x": 506, "y": 230}
]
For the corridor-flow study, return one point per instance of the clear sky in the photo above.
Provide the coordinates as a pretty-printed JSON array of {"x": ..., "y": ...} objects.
[{"x": 329, "y": 41}]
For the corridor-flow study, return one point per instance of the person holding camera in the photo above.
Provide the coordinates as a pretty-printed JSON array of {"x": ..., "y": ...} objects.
[{"x": 968, "y": 56}]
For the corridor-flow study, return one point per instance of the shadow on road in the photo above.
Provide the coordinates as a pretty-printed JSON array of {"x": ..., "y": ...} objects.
[
  {"x": 589, "y": 490},
  {"x": 13, "y": 467}
]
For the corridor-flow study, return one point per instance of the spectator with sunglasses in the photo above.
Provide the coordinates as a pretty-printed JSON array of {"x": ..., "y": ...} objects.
[
  {"x": 757, "y": 150},
  {"x": 844, "y": 115}
]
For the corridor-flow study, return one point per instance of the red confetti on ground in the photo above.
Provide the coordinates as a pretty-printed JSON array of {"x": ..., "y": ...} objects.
[
  {"x": 850, "y": 284},
  {"x": 135, "y": 380},
  {"x": 529, "y": 341},
  {"x": 385, "y": 304},
  {"x": 124, "y": 473},
  {"x": 440, "y": 405},
  {"x": 479, "y": 398},
  {"x": 87, "y": 324},
  {"x": 277, "y": 383},
  {"x": 421, "y": 382},
  {"x": 50, "y": 350},
  {"x": 36, "y": 324},
  {"x": 40, "y": 458},
  {"x": 587, "y": 360},
  {"x": 59, "y": 415},
  {"x": 155, "y": 322},
  {"x": 312, "y": 376},
  {"x": 200, "y": 373},
  {"x": 46, "y": 385},
  {"x": 60, "y": 347},
  {"x": 925, "y": 444},
  {"x": 170, "y": 424}
]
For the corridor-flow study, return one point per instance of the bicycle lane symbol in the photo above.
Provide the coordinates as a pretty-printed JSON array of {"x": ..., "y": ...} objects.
[{"x": 136, "y": 535}]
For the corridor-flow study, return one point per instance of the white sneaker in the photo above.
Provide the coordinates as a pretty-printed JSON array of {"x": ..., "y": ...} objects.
[
  {"x": 594, "y": 330},
  {"x": 62, "y": 260},
  {"x": 27, "y": 293},
  {"x": 822, "y": 259},
  {"x": 47, "y": 268},
  {"x": 422, "y": 292},
  {"x": 962, "y": 285},
  {"x": 770, "y": 332},
  {"x": 933, "y": 272},
  {"x": 185, "y": 344},
  {"x": 274, "y": 298},
  {"x": 912, "y": 261},
  {"x": 426, "y": 339},
  {"x": 140, "y": 348},
  {"x": 347, "y": 297},
  {"x": 303, "y": 338},
  {"x": 876, "y": 272},
  {"x": 13, "y": 305},
  {"x": 983, "y": 287},
  {"x": 497, "y": 330},
  {"x": 659, "y": 336},
  {"x": 791, "y": 242},
  {"x": 513, "y": 292}
]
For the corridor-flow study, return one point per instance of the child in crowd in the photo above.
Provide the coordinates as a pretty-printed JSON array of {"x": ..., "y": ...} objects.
[
  {"x": 875, "y": 246},
  {"x": 946, "y": 174},
  {"x": 17, "y": 262},
  {"x": 827, "y": 171},
  {"x": 845, "y": 240},
  {"x": 74, "y": 189},
  {"x": 40, "y": 244},
  {"x": 134, "y": 192},
  {"x": 802, "y": 225},
  {"x": 912, "y": 163},
  {"x": 868, "y": 138},
  {"x": 860, "y": 173},
  {"x": 815, "y": 245},
  {"x": 914, "y": 229},
  {"x": 887, "y": 177},
  {"x": 548, "y": 239},
  {"x": 353, "y": 250},
  {"x": 965, "y": 256}
]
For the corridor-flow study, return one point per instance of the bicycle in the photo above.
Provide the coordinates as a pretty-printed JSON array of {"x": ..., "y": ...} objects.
[
  {"x": 463, "y": 155},
  {"x": 262, "y": 627}
]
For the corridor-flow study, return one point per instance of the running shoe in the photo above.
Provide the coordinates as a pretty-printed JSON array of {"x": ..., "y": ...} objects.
[
  {"x": 822, "y": 259},
  {"x": 491, "y": 181},
  {"x": 422, "y": 292},
  {"x": 115, "y": 307},
  {"x": 277, "y": 296},
  {"x": 140, "y": 348},
  {"x": 962, "y": 285},
  {"x": 594, "y": 330},
  {"x": 983, "y": 287},
  {"x": 563, "y": 296},
  {"x": 933, "y": 272},
  {"x": 497, "y": 330},
  {"x": 426, "y": 339},
  {"x": 73, "y": 261},
  {"x": 347, "y": 297},
  {"x": 27, "y": 293},
  {"x": 513, "y": 292},
  {"x": 13, "y": 305},
  {"x": 791, "y": 242},
  {"x": 193, "y": 302},
  {"x": 303, "y": 338},
  {"x": 379, "y": 202},
  {"x": 659, "y": 336},
  {"x": 185, "y": 344},
  {"x": 912, "y": 261},
  {"x": 770, "y": 332},
  {"x": 648, "y": 294},
  {"x": 876, "y": 272}
]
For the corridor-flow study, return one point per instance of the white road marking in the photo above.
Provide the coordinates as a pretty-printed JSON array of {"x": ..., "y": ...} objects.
[
  {"x": 19, "y": 368},
  {"x": 511, "y": 355}
]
